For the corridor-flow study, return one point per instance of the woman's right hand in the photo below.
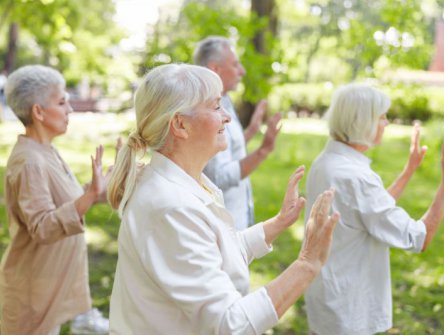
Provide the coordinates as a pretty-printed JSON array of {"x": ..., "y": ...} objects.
[
  {"x": 319, "y": 231},
  {"x": 98, "y": 183}
]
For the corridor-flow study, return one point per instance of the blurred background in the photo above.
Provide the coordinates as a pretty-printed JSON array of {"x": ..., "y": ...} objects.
[{"x": 295, "y": 51}]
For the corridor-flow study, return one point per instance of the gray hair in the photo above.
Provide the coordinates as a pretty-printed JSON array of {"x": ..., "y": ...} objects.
[
  {"x": 210, "y": 50},
  {"x": 30, "y": 85},
  {"x": 165, "y": 91},
  {"x": 354, "y": 113}
]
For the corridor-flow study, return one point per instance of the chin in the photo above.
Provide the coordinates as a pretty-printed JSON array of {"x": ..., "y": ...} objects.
[{"x": 223, "y": 147}]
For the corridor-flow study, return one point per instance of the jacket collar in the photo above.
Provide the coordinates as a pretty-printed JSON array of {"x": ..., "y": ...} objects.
[
  {"x": 345, "y": 150},
  {"x": 174, "y": 173}
]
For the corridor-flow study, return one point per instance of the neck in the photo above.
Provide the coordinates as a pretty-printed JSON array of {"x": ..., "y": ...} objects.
[
  {"x": 188, "y": 161},
  {"x": 37, "y": 135},
  {"x": 358, "y": 147}
]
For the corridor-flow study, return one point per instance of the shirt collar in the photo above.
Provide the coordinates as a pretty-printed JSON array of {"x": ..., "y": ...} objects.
[
  {"x": 174, "y": 173},
  {"x": 32, "y": 143},
  {"x": 346, "y": 150}
]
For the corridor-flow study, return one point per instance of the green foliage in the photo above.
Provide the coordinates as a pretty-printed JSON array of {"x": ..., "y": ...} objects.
[
  {"x": 409, "y": 102},
  {"x": 311, "y": 98},
  {"x": 75, "y": 36},
  {"x": 348, "y": 31},
  {"x": 175, "y": 40}
]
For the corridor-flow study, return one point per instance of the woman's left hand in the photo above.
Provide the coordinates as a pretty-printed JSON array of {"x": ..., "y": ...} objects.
[
  {"x": 293, "y": 203},
  {"x": 291, "y": 208},
  {"x": 417, "y": 152}
]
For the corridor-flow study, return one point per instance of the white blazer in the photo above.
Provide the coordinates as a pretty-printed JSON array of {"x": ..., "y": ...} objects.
[{"x": 182, "y": 267}]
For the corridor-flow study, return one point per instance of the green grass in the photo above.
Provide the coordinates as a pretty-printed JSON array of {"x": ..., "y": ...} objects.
[{"x": 418, "y": 280}]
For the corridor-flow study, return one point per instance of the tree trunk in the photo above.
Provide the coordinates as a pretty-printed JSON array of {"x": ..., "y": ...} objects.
[
  {"x": 259, "y": 8},
  {"x": 12, "y": 48}
]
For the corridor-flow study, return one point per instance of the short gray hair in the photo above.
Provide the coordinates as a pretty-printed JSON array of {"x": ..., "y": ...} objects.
[
  {"x": 29, "y": 85},
  {"x": 210, "y": 50},
  {"x": 354, "y": 113}
]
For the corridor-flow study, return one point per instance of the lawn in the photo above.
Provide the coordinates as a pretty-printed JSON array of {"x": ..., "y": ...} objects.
[{"x": 418, "y": 280}]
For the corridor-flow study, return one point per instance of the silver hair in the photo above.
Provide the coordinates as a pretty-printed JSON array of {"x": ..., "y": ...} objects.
[
  {"x": 210, "y": 50},
  {"x": 165, "y": 91},
  {"x": 354, "y": 113},
  {"x": 30, "y": 85}
]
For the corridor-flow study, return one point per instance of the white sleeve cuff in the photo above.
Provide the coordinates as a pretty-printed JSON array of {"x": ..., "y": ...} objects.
[
  {"x": 259, "y": 310},
  {"x": 254, "y": 238}
]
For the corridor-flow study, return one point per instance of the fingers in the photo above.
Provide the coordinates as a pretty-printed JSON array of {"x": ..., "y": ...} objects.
[
  {"x": 99, "y": 154},
  {"x": 293, "y": 183},
  {"x": 324, "y": 206},
  {"x": 297, "y": 175},
  {"x": 332, "y": 221},
  {"x": 415, "y": 136},
  {"x": 274, "y": 120}
]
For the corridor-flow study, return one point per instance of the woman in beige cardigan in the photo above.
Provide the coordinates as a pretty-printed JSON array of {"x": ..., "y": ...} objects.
[{"x": 44, "y": 271}]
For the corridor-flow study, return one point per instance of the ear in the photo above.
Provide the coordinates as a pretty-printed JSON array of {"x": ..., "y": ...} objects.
[
  {"x": 37, "y": 113},
  {"x": 178, "y": 127},
  {"x": 213, "y": 66}
]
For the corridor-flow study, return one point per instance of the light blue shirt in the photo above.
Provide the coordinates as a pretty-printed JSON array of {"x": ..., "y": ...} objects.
[
  {"x": 224, "y": 171},
  {"x": 352, "y": 294}
]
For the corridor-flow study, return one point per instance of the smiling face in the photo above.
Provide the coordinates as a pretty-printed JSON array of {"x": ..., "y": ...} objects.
[
  {"x": 54, "y": 113},
  {"x": 206, "y": 127}
]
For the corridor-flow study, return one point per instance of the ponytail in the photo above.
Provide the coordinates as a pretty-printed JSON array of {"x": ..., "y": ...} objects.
[{"x": 123, "y": 177}]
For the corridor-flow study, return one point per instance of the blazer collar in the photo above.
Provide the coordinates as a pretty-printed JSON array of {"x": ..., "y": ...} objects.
[{"x": 174, "y": 173}]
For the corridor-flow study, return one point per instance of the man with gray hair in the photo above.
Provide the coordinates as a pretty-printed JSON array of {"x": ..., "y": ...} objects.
[{"x": 230, "y": 169}]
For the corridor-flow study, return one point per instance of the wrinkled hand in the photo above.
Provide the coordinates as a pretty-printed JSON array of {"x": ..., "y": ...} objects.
[
  {"x": 98, "y": 182},
  {"x": 293, "y": 203},
  {"x": 102, "y": 198},
  {"x": 319, "y": 231},
  {"x": 271, "y": 134},
  {"x": 417, "y": 152},
  {"x": 258, "y": 117}
]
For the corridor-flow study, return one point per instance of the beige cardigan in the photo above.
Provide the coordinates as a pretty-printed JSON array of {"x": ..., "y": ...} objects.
[{"x": 44, "y": 271}]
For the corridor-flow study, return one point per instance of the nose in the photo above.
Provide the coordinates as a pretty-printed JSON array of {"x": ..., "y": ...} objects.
[
  {"x": 242, "y": 70},
  {"x": 226, "y": 118},
  {"x": 69, "y": 109}
]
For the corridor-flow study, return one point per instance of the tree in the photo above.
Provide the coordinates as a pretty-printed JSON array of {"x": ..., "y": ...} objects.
[
  {"x": 75, "y": 36},
  {"x": 173, "y": 39}
]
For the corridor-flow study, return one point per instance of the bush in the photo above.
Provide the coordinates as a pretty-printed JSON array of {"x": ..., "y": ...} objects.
[
  {"x": 310, "y": 98},
  {"x": 409, "y": 102}
]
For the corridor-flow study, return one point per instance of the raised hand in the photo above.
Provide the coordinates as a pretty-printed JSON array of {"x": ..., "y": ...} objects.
[
  {"x": 319, "y": 231},
  {"x": 293, "y": 203},
  {"x": 98, "y": 182},
  {"x": 271, "y": 134},
  {"x": 417, "y": 152},
  {"x": 256, "y": 120}
]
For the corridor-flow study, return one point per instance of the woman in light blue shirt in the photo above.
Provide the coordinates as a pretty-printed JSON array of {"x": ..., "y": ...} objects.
[
  {"x": 183, "y": 267},
  {"x": 352, "y": 294}
]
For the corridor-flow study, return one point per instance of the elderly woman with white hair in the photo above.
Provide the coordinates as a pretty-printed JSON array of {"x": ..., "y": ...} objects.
[
  {"x": 183, "y": 267},
  {"x": 44, "y": 270},
  {"x": 352, "y": 294}
]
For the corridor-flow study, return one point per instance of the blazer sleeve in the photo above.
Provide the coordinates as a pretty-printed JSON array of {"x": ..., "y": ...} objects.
[{"x": 190, "y": 271}]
